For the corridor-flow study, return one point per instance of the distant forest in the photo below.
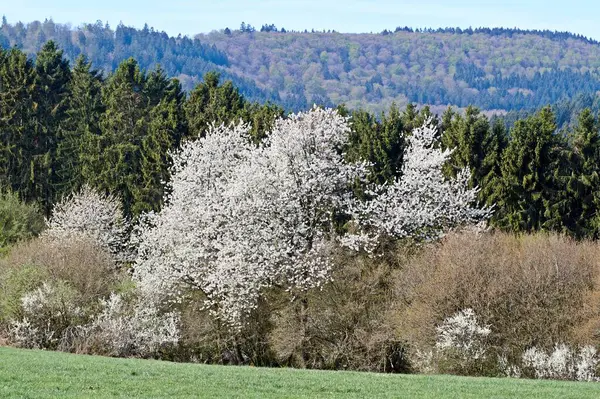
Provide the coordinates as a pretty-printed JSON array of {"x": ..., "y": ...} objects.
[{"x": 495, "y": 69}]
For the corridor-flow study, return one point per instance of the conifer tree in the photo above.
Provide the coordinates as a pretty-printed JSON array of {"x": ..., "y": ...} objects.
[
  {"x": 52, "y": 95},
  {"x": 17, "y": 121},
  {"x": 490, "y": 173},
  {"x": 123, "y": 126},
  {"x": 167, "y": 127},
  {"x": 78, "y": 152},
  {"x": 528, "y": 165},
  {"x": 212, "y": 102},
  {"x": 576, "y": 210},
  {"x": 467, "y": 136}
]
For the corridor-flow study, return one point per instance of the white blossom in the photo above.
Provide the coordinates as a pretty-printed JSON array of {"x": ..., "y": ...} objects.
[
  {"x": 422, "y": 202},
  {"x": 463, "y": 333},
  {"x": 124, "y": 328},
  {"x": 242, "y": 217},
  {"x": 90, "y": 214},
  {"x": 563, "y": 363}
]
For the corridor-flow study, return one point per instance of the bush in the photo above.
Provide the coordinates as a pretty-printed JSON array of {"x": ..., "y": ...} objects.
[
  {"x": 52, "y": 286},
  {"x": 531, "y": 289},
  {"x": 18, "y": 221},
  {"x": 343, "y": 325}
]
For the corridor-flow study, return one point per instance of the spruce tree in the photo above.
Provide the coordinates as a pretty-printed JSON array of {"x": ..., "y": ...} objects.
[
  {"x": 211, "y": 102},
  {"x": 529, "y": 163},
  {"x": 18, "y": 85},
  {"x": 467, "y": 136},
  {"x": 167, "y": 127},
  {"x": 52, "y": 95},
  {"x": 123, "y": 127},
  {"x": 490, "y": 172},
  {"x": 576, "y": 211},
  {"x": 78, "y": 152}
]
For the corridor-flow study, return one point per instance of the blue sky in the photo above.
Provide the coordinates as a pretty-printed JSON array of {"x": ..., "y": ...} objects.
[{"x": 190, "y": 17}]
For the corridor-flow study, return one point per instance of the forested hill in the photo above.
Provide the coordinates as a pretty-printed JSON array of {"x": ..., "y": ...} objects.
[
  {"x": 491, "y": 69},
  {"x": 181, "y": 57},
  {"x": 494, "y": 69}
]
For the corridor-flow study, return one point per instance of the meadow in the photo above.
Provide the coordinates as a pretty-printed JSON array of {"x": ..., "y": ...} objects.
[{"x": 43, "y": 374}]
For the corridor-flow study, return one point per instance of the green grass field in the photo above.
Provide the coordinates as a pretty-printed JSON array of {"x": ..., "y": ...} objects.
[{"x": 40, "y": 374}]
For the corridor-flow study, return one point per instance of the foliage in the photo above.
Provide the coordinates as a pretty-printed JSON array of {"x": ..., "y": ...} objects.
[
  {"x": 562, "y": 363},
  {"x": 423, "y": 203},
  {"x": 18, "y": 221},
  {"x": 262, "y": 213}
]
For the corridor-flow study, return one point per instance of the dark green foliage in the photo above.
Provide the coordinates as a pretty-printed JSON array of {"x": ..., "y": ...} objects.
[
  {"x": 80, "y": 145},
  {"x": 580, "y": 195},
  {"x": 52, "y": 100},
  {"x": 466, "y": 135},
  {"x": 18, "y": 221},
  {"x": 17, "y": 121},
  {"x": 530, "y": 168},
  {"x": 211, "y": 102},
  {"x": 167, "y": 127},
  {"x": 380, "y": 142}
]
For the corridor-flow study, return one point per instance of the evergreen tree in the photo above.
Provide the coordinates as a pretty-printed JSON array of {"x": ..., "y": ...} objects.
[
  {"x": 528, "y": 167},
  {"x": 123, "y": 126},
  {"x": 17, "y": 121},
  {"x": 211, "y": 102},
  {"x": 78, "y": 152},
  {"x": 379, "y": 142},
  {"x": 576, "y": 211},
  {"x": 466, "y": 136},
  {"x": 52, "y": 97},
  {"x": 167, "y": 127},
  {"x": 490, "y": 170}
]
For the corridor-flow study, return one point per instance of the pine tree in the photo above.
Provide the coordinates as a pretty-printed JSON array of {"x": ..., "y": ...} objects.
[
  {"x": 490, "y": 169},
  {"x": 379, "y": 142},
  {"x": 467, "y": 136},
  {"x": 576, "y": 211},
  {"x": 167, "y": 127},
  {"x": 78, "y": 152},
  {"x": 123, "y": 126},
  {"x": 17, "y": 120},
  {"x": 211, "y": 102},
  {"x": 52, "y": 94},
  {"x": 528, "y": 167}
]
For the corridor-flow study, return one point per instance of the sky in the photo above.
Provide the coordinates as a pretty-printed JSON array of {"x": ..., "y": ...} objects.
[{"x": 190, "y": 17}]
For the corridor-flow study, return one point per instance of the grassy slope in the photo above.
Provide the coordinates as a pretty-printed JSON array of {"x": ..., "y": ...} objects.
[{"x": 42, "y": 374}]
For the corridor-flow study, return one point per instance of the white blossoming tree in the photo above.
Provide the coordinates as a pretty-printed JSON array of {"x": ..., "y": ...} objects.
[
  {"x": 94, "y": 215},
  {"x": 422, "y": 203},
  {"x": 242, "y": 217}
]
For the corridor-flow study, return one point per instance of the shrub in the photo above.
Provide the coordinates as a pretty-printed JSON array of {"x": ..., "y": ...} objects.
[
  {"x": 18, "y": 221},
  {"x": 562, "y": 363},
  {"x": 343, "y": 325},
  {"x": 128, "y": 326},
  {"x": 91, "y": 215},
  {"x": 531, "y": 289},
  {"x": 47, "y": 312},
  {"x": 50, "y": 287}
]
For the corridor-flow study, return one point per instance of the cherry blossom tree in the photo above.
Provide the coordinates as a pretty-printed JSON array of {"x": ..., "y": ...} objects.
[
  {"x": 422, "y": 203},
  {"x": 240, "y": 217}
]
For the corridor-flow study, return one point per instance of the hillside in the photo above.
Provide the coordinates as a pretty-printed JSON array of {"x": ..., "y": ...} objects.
[
  {"x": 494, "y": 69},
  {"x": 509, "y": 70}
]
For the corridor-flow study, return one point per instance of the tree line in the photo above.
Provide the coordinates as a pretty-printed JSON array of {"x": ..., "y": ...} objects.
[{"x": 64, "y": 126}]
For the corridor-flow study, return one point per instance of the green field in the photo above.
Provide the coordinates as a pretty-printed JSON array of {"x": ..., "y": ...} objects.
[{"x": 40, "y": 374}]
